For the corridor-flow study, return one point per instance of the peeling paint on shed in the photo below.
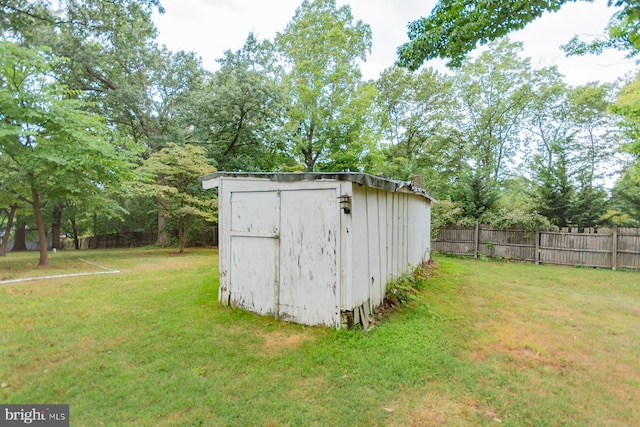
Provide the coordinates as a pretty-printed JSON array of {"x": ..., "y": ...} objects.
[{"x": 314, "y": 248}]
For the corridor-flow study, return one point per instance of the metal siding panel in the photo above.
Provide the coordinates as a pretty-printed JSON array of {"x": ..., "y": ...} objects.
[
  {"x": 309, "y": 292},
  {"x": 416, "y": 226},
  {"x": 397, "y": 226}
]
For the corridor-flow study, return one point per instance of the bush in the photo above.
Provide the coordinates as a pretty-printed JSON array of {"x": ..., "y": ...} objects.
[
  {"x": 445, "y": 213},
  {"x": 405, "y": 288}
]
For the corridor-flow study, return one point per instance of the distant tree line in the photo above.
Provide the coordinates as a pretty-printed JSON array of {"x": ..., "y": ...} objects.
[{"x": 102, "y": 130}]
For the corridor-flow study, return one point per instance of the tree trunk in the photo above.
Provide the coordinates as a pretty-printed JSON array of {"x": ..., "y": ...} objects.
[
  {"x": 20, "y": 236},
  {"x": 74, "y": 231},
  {"x": 183, "y": 233},
  {"x": 56, "y": 227},
  {"x": 163, "y": 235},
  {"x": 42, "y": 233},
  {"x": 7, "y": 231}
]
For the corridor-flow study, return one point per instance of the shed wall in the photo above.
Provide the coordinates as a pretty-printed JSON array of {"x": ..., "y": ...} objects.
[{"x": 390, "y": 236}]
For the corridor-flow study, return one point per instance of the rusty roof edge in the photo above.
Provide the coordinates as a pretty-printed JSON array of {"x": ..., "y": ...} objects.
[{"x": 355, "y": 177}]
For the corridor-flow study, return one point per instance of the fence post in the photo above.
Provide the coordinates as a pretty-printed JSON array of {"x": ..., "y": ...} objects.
[
  {"x": 476, "y": 240},
  {"x": 614, "y": 248},
  {"x": 536, "y": 237}
]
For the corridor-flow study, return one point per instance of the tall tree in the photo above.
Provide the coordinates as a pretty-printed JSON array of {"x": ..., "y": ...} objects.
[
  {"x": 112, "y": 60},
  {"x": 239, "y": 113},
  {"x": 321, "y": 47},
  {"x": 55, "y": 147},
  {"x": 494, "y": 91},
  {"x": 627, "y": 187},
  {"x": 416, "y": 113},
  {"x": 596, "y": 133}
]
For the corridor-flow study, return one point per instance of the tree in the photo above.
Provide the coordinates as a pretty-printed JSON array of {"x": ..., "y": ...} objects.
[
  {"x": 51, "y": 144},
  {"x": 494, "y": 91},
  {"x": 623, "y": 32},
  {"x": 326, "y": 119},
  {"x": 474, "y": 194},
  {"x": 112, "y": 61},
  {"x": 455, "y": 27},
  {"x": 239, "y": 113},
  {"x": 596, "y": 136},
  {"x": 548, "y": 118},
  {"x": 555, "y": 193},
  {"x": 172, "y": 178},
  {"x": 416, "y": 115},
  {"x": 626, "y": 191}
]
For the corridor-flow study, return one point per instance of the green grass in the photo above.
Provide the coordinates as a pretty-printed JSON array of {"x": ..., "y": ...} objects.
[{"x": 485, "y": 343}]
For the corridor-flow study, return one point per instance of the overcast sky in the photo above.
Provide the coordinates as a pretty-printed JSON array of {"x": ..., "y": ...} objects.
[{"x": 209, "y": 27}]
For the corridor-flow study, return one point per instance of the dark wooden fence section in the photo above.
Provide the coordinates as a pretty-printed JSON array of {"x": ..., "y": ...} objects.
[
  {"x": 120, "y": 240},
  {"x": 605, "y": 247},
  {"x": 138, "y": 239}
]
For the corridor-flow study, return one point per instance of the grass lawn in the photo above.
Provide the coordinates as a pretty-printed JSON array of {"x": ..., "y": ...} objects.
[{"x": 487, "y": 343}]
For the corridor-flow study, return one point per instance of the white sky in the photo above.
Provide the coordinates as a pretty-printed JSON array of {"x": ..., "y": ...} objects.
[{"x": 209, "y": 27}]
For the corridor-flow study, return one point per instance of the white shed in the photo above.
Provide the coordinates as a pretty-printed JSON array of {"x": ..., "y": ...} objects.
[{"x": 316, "y": 248}]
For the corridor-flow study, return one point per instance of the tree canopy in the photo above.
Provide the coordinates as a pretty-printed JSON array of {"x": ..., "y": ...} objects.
[{"x": 455, "y": 27}]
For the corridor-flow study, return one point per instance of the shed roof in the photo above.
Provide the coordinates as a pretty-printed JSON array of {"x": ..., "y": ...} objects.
[{"x": 356, "y": 177}]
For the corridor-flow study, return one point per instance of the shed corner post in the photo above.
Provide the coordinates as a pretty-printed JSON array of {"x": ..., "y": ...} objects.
[{"x": 345, "y": 250}]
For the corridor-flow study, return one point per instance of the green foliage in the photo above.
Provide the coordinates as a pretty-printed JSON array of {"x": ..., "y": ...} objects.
[
  {"x": 475, "y": 193},
  {"x": 494, "y": 92},
  {"x": 455, "y": 27},
  {"x": 627, "y": 188},
  {"x": 239, "y": 113},
  {"x": 327, "y": 114},
  {"x": 49, "y": 142},
  {"x": 171, "y": 177},
  {"x": 445, "y": 213},
  {"x": 405, "y": 288},
  {"x": 623, "y": 32},
  {"x": 416, "y": 114},
  {"x": 506, "y": 218},
  {"x": 555, "y": 193}
]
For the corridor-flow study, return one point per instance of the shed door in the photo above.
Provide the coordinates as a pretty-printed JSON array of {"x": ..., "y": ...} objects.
[
  {"x": 284, "y": 258},
  {"x": 255, "y": 227},
  {"x": 309, "y": 271}
]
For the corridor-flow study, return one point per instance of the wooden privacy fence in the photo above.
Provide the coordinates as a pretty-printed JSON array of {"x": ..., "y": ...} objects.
[{"x": 606, "y": 247}]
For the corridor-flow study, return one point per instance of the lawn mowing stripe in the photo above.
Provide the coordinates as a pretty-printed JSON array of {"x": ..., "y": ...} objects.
[{"x": 58, "y": 276}]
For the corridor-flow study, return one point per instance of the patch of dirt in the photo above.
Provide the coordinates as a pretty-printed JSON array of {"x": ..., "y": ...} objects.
[
  {"x": 277, "y": 341},
  {"x": 436, "y": 409}
]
